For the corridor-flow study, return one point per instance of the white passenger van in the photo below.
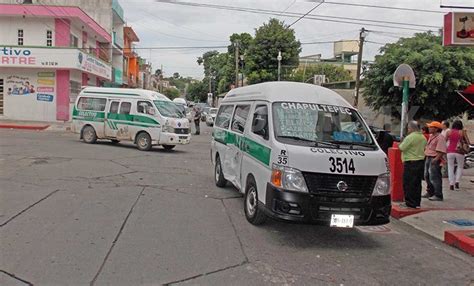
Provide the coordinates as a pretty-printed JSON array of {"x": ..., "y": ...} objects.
[
  {"x": 144, "y": 117},
  {"x": 300, "y": 152}
]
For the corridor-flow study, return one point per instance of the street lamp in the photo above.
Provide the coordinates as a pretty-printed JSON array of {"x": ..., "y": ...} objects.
[{"x": 279, "y": 64}]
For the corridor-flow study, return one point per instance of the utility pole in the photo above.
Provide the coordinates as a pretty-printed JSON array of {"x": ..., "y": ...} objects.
[
  {"x": 236, "y": 44},
  {"x": 362, "y": 35},
  {"x": 279, "y": 64}
]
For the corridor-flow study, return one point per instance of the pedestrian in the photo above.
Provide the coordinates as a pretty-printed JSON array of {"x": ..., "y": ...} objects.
[
  {"x": 445, "y": 124},
  {"x": 434, "y": 152},
  {"x": 385, "y": 139},
  {"x": 413, "y": 157},
  {"x": 455, "y": 136},
  {"x": 197, "y": 119},
  {"x": 426, "y": 132}
]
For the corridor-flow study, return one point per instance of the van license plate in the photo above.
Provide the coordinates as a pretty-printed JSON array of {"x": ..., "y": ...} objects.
[{"x": 338, "y": 220}]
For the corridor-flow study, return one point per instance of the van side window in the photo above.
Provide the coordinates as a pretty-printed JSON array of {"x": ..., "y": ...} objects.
[
  {"x": 260, "y": 121},
  {"x": 125, "y": 108},
  {"x": 143, "y": 106},
  {"x": 224, "y": 115},
  {"x": 114, "y": 106},
  {"x": 91, "y": 103},
  {"x": 240, "y": 118}
]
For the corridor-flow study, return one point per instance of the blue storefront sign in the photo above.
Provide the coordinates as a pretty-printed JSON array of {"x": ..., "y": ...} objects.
[{"x": 44, "y": 97}]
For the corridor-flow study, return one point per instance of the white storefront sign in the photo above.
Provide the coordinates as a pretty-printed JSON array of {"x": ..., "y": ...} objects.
[{"x": 57, "y": 58}]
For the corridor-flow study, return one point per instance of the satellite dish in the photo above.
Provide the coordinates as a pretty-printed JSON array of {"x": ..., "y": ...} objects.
[{"x": 403, "y": 72}]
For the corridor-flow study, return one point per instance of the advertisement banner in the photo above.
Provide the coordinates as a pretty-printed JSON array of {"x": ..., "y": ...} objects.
[
  {"x": 57, "y": 58},
  {"x": 44, "y": 97},
  {"x": 458, "y": 29}
]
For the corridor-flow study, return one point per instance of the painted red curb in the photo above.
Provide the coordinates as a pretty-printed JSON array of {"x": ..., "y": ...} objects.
[
  {"x": 401, "y": 212},
  {"x": 462, "y": 239},
  {"x": 27, "y": 127}
]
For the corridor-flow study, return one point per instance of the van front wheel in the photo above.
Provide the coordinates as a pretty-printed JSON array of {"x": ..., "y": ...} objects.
[
  {"x": 253, "y": 212},
  {"x": 218, "y": 175},
  {"x": 88, "y": 135},
  {"x": 144, "y": 141}
]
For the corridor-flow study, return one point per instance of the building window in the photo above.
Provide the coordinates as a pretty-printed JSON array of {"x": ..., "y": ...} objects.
[
  {"x": 20, "y": 37},
  {"x": 74, "y": 90},
  {"x": 74, "y": 41},
  {"x": 49, "y": 38}
]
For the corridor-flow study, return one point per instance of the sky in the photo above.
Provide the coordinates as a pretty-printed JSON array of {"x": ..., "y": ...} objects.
[{"x": 159, "y": 24}]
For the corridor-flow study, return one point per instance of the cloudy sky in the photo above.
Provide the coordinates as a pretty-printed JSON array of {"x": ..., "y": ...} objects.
[{"x": 169, "y": 25}]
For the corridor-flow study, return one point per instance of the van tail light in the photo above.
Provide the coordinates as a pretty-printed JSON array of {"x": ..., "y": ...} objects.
[{"x": 276, "y": 178}]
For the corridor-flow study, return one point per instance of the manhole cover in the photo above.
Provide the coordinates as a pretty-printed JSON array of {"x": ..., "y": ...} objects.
[{"x": 461, "y": 222}]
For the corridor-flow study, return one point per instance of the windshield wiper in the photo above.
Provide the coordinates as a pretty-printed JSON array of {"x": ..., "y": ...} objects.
[
  {"x": 316, "y": 143},
  {"x": 352, "y": 144}
]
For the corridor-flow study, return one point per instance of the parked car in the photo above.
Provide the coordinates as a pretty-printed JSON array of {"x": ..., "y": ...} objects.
[{"x": 211, "y": 116}]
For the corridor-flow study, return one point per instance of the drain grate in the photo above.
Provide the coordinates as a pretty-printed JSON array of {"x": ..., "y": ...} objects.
[{"x": 461, "y": 222}]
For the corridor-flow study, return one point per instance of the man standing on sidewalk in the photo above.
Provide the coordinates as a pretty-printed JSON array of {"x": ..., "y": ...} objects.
[
  {"x": 413, "y": 157},
  {"x": 434, "y": 151}
]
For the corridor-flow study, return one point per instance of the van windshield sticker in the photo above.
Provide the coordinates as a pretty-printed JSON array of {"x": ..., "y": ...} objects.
[
  {"x": 337, "y": 151},
  {"x": 316, "y": 107}
]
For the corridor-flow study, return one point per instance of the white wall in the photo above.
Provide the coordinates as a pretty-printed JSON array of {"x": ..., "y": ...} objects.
[
  {"x": 27, "y": 106},
  {"x": 34, "y": 30}
]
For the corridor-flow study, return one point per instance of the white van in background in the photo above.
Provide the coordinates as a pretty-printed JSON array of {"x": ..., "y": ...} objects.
[
  {"x": 144, "y": 117},
  {"x": 300, "y": 152}
]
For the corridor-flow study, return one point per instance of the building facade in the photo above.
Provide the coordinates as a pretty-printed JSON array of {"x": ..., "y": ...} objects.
[{"x": 46, "y": 54}]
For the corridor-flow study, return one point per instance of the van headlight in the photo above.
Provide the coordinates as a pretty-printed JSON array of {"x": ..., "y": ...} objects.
[
  {"x": 288, "y": 178},
  {"x": 168, "y": 129},
  {"x": 382, "y": 186}
]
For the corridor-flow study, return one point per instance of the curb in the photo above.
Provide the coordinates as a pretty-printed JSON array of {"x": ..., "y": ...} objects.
[
  {"x": 462, "y": 239},
  {"x": 25, "y": 127},
  {"x": 400, "y": 212}
]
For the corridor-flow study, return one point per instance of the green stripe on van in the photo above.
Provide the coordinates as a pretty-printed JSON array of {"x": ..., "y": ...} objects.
[{"x": 256, "y": 150}]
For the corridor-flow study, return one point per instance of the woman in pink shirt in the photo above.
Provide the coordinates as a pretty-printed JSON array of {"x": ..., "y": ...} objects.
[{"x": 453, "y": 136}]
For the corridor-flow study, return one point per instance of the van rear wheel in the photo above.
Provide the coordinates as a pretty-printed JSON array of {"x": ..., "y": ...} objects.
[
  {"x": 218, "y": 175},
  {"x": 253, "y": 212},
  {"x": 88, "y": 135},
  {"x": 144, "y": 141}
]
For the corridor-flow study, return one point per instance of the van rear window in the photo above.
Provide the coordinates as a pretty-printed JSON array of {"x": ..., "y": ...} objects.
[{"x": 91, "y": 103}]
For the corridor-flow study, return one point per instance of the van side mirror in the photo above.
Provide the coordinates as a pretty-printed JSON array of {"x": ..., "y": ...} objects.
[{"x": 259, "y": 126}]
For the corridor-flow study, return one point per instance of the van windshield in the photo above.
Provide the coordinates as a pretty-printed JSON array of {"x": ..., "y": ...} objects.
[
  {"x": 311, "y": 124},
  {"x": 168, "y": 109}
]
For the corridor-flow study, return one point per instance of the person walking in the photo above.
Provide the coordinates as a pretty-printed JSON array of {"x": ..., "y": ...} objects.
[
  {"x": 426, "y": 132},
  {"x": 454, "y": 136},
  {"x": 444, "y": 132},
  {"x": 413, "y": 157},
  {"x": 197, "y": 119},
  {"x": 434, "y": 152}
]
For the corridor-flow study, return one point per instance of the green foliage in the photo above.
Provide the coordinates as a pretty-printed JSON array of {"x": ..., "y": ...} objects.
[
  {"x": 176, "y": 75},
  {"x": 439, "y": 72},
  {"x": 332, "y": 72},
  {"x": 271, "y": 38},
  {"x": 171, "y": 93},
  {"x": 197, "y": 91}
]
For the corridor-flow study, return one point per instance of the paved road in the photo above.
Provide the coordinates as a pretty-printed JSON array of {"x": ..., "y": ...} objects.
[{"x": 78, "y": 214}]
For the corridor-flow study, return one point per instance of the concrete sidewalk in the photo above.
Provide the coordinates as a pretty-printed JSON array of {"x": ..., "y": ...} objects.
[
  {"x": 451, "y": 220},
  {"x": 35, "y": 125}
]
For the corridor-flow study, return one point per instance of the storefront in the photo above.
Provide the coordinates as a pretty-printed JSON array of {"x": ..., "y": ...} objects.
[{"x": 41, "y": 84}]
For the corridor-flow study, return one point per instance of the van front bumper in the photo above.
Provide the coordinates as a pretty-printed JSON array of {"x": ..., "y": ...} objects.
[
  {"x": 318, "y": 208},
  {"x": 174, "y": 139}
]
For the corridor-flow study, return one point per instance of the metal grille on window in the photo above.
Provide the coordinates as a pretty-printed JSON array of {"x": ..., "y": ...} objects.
[
  {"x": 49, "y": 38},
  {"x": 20, "y": 37}
]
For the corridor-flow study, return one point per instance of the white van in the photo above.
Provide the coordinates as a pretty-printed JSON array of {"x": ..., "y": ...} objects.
[
  {"x": 302, "y": 153},
  {"x": 144, "y": 117}
]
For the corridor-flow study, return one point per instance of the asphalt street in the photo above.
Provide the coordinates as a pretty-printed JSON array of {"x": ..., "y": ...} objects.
[{"x": 104, "y": 214}]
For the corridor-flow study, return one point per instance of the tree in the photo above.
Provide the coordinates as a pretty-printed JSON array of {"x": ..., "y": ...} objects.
[
  {"x": 197, "y": 91},
  {"x": 332, "y": 72},
  {"x": 158, "y": 72},
  {"x": 176, "y": 75},
  {"x": 439, "y": 72},
  {"x": 271, "y": 38},
  {"x": 171, "y": 93}
]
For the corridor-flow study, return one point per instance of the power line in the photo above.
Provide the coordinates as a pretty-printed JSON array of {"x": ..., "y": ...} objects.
[
  {"x": 336, "y": 19},
  {"x": 314, "y": 8},
  {"x": 384, "y": 7},
  {"x": 286, "y": 9}
]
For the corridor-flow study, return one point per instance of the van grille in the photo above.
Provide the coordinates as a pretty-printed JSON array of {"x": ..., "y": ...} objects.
[
  {"x": 319, "y": 183},
  {"x": 181, "y": 130}
]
